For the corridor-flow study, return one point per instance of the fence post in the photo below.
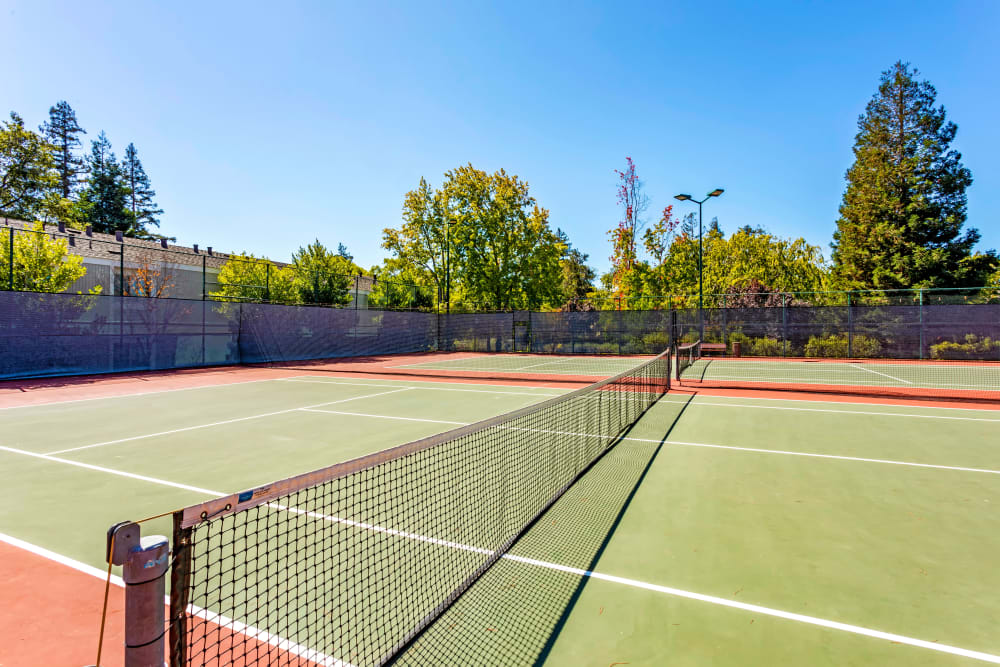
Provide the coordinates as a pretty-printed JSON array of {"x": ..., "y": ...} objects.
[
  {"x": 204, "y": 296},
  {"x": 725, "y": 322},
  {"x": 357, "y": 281},
  {"x": 784, "y": 326},
  {"x": 10, "y": 266},
  {"x": 267, "y": 282},
  {"x": 850, "y": 327},
  {"x": 921, "y": 291}
]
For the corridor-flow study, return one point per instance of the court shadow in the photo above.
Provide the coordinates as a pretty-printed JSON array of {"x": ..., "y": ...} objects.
[{"x": 514, "y": 614}]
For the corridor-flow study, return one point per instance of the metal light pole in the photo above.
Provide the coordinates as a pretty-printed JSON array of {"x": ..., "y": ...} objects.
[{"x": 701, "y": 313}]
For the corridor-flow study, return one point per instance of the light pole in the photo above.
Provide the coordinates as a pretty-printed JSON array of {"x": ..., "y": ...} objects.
[{"x": 701, "y": 317}]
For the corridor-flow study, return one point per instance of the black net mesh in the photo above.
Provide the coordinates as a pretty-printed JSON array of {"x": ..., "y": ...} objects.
[{"x": 347, "y": 565}]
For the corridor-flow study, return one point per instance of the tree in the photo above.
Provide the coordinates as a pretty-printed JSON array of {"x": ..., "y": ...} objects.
[
  {"x": 321, "y": 276},
  {"x": 504, "y": 253},
  {"x": 27, "y": 173},
  {"x": 743, "y": 259},
  {"x": 623, "y": 237},
  {"x": 577, "y": 277},
  {"x": 61, "y": 130},
  {"x": 418, "y": 245},
  {"x": 141, "y": 195},
  {"x": 687, "y": 225},
  {"x": 658, "y": 240},
  {"x": 342, "y": 252},
  {"x": 103, "y": 203},
  {"x": 246, "y": 278},
  {"x": 904, "y": 207},
  {"x": 151, "y": 276},
  {"x": 41, "y": 263}
]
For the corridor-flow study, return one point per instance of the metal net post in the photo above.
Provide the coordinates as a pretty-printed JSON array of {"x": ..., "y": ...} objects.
[{"x": 144, "y": 561}]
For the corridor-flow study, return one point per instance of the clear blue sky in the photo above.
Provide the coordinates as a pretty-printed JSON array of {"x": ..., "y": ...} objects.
[{"x": 266, "y": 125}]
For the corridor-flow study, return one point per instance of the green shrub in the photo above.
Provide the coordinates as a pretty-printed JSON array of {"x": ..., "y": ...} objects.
[
  {"x": 974, "y": 347},
  {"x": 836, "y": 347},
  {"x": 756, "y": 347}
]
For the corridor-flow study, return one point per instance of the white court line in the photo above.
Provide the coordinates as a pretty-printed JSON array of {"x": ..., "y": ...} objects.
[
  {"x": 62, "y": 560},
  {"x": 824, "y": 381},
  {"x": 220, "y": 423},
  {"x": 142, "y": 393},
  {"x": 694, "y": 404},
  {"x": 711, "y": 599},
  {"x": 823, "y": 402},
  {"x": 891, "y": 377},
  {"x": 546, "y": 363},
  {"x": 112, "y": 471},
  {"x": 767, "y": 611},
  {"x": 417, "y": 386},
  {"x": 405, "y": 419},
  {"x": 235, "y": 626},
  {"x": 684, "y": 443}
]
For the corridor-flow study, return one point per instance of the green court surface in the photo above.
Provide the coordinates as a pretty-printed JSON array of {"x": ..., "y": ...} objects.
[
  {"x": 915, "y": 374},
  {"x": 720, "y": 530},
  {"x": 534, "y": 364}
]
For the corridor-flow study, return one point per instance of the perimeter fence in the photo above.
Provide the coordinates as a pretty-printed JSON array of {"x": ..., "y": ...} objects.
[{"x": 63, "y": 334}]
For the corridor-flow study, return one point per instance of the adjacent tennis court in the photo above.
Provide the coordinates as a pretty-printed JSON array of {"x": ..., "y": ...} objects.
[{"x": 717, "y": 529}]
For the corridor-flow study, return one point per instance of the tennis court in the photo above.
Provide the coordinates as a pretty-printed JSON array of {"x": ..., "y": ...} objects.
[
  {"x": 537, "y": 363},
  {"x": 718, "y": 529}
]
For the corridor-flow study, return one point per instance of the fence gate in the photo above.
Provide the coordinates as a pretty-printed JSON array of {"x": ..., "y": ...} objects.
[{"x": 522, "y": 332}]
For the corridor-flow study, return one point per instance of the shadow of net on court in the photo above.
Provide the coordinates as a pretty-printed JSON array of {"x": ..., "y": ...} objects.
[{"x": 515, "y": 613}]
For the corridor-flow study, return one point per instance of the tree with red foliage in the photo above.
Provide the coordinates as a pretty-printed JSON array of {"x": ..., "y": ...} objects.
[{"x": 634, "y": 203}]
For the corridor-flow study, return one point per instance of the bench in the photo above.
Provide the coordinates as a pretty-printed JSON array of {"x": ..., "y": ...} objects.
[{"x": 715, "y": 348}]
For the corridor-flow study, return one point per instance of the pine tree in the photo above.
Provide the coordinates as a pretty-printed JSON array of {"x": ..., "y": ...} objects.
[
  {"x": 103, "y": 203},
  {"x": 140, "y": 197},
  {"x": 61, "y": 131},
  {"x": 688, "y": 224},
  {"x": 904, "y": 208}
]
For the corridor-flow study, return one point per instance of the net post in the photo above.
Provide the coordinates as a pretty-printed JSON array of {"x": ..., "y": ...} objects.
[
  {"x": 180, "y": 582},
  {"x": 144, "y": 561}
]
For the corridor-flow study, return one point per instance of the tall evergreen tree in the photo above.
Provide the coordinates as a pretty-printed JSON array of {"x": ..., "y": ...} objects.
[
  {"x": 104, "y": 202},
  {"x": 904, "y": 208},
  {"x": 141, "y": 195},
  {"x": 61, "y": 130}
]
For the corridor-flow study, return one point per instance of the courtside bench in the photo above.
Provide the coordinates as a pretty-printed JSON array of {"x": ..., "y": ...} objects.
[{"x": 713, "y": 348}]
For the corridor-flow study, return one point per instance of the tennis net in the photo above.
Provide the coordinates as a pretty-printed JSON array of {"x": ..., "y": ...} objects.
[
  {"x": 347, "y": 565},
  {"x": 687, "y": 355}
]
